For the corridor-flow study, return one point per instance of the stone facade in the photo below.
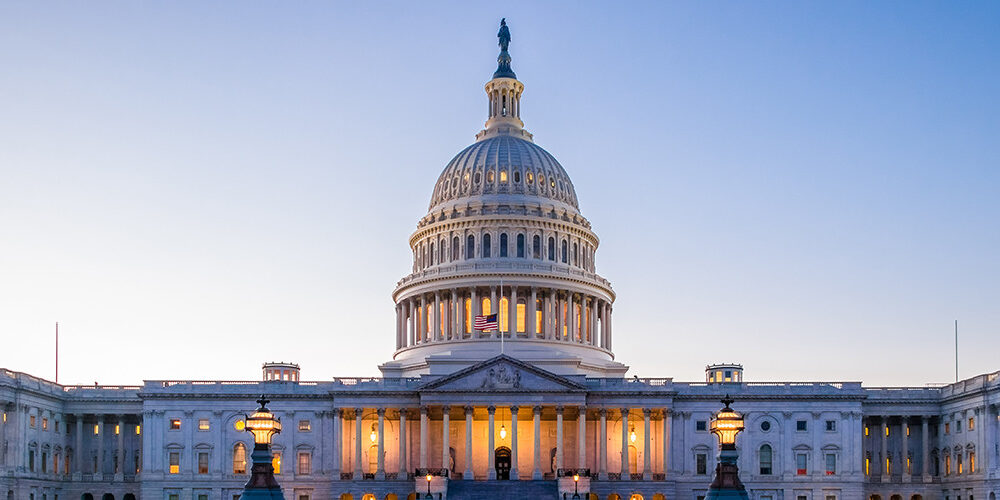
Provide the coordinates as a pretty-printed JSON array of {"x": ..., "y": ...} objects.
[{"x": 525, "y": 404}]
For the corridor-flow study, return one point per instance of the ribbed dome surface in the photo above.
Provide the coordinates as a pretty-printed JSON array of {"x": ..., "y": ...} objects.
[{"x": 504, "y": 165}]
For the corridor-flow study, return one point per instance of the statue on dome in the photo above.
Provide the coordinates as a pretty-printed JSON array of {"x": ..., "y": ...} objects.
[{"x": 504, "y": 35}]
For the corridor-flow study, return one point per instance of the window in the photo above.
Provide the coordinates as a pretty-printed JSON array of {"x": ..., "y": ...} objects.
[
  {"x": 138, "y": 429},
  {"x": 97, "y": 429},
  {"x": 276, "y": 462},
  {"x": 831, "y": 464},
  {"x": 831, "y": 426},
  {"x": 801, "y": 497},
  {"x": 305, "y": 462},
  {"x": 202, "y": 496},
  {"x": 173, "y": 496},
  {"x": 31, "y": 460},
  {"x": 801, "y": 425},
  {"x": 517, "y": 176},
  {"x": 701, "y": 464},
  {"x": 57, "y": 426},
  {"x": 765, "y": 426},
  {"x": 765, "y": 460},
  {"x": 947, "y": 428},
  {"x": 239, "y": 459},
  {"x": 305, "y": 426},
  {"x": 831, "y": 497},
  {"x": 470, "y": 247},
  {"x": 947, "y": 465},
  {"x": 971, "y": 426},
  {"x": 958, "y": 462},
  {"x": 45, "y": 462},
  {"x": 203, "y": 424},
  {"x": 866, "y": 430},
  {"x": 503, "y": 245},
  {"x": 972, "y": 462},
  {"x": 801, "y": 464},
  {"x": 45, "y": 424},
  {"x": 454, "y": 248},
  {"x": 552, "y": 248},
  {"x": 486, "y": 246},
  {"x": 175, "y": 462},
  {"x": 31, "y": 421},
  {"x": 564, "y": 252},
  {"x": 175, "y": 424},
  {"x": 700, "y": 425},
  {"x": 520, "y": 246},
  {"x": 118, "y": 428},
  {"x": 958, "y": 426},
  {"x": 203, "y": 463},
  {"x": 536, "y": 247}
]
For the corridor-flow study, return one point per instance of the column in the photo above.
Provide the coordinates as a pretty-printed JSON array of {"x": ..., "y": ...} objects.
[
  {"x": 456, "y": 314},
  {"x": 422, "y": 321},
  {"x": 358, "y": 471},
  {"x": 380, "y": 470},
  {"x": 401, "y": 446},
  {"x": 399, "y": 335},
  {"x": 101, "y": 432},
  {"x": 904, "y": 429},
  {"x": 78, "y": 451},
  {"x": 468, "y": 475},
  {"x": 611, "y": 335},
  {"x": 626, "y": 469},
  {"x": 477, "y": 304},
  {"x": 571, "y": 316},
  {"x": 436, "y": 317},
  {"x": 560, "y": 319},
  {"x": 537, "y": 474},
  {"x": 411, "y": 315},
  {"x": 581, "y": 435},
  {"x": 530, "y": 322},
  {"x": 424, "y": 436},
  {"x": 491, "y": 471},
  {"x": 992, "y": 422},
  {"x": 512, "y": 312},
  {"x": 445, "y": 428},
  {"x": 604, "y": 324},
  {"x": 647, "y": 469},
  {"x": 665, "y": 442},
  {"x": 338, "y": 450},
  {"x": 602, "y": 467},
  {"x": 885, "y": 448},
  {"x": 121, "y": 447},
  {"x": 925, "y": 456},
  {"x": 514, "y": 473},
  {"x": 559, "y": 438}
]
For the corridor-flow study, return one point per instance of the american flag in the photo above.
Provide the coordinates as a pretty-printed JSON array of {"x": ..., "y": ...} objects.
[{"x": 487, "y": 322}]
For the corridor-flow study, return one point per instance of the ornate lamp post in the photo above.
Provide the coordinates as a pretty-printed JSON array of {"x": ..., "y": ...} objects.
[
  {"x": 576, "y": 486},
  {"x": 263, "y": 425},
  {"x": 429, "y": 497},
  {"x": 726, "y": 425}
]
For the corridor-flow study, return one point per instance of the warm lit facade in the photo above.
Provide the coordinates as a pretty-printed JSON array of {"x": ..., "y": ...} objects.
[{"x": 504, "y": 234}]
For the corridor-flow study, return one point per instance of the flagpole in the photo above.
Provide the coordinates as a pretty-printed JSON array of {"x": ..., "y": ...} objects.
[
  {"x": 57, "y": 352},
  {"x": 956, "y": 350}
]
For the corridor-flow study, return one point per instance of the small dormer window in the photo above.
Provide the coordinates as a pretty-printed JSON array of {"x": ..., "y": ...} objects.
[
  {"x": 529, "y": 177},
  {"x": 490, "y": 177},
  {"x": 503, "y": 176}
]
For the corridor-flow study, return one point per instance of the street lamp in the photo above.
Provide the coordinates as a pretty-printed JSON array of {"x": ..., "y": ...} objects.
[
  {"x": 727, "y": 485},
  {"x": 429, "y": 497},
  {"x": 263, "y": 425},
  {"x": 576, "y": 486}
]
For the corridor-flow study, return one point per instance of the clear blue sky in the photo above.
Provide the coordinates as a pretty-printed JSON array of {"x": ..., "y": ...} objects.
[{"x": 191, "y": 188}]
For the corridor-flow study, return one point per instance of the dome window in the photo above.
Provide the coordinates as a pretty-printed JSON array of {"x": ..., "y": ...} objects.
[
  {"x": 490, "y": 177},
  {"x": 517, "y": 177},
  {"x": 466, "y": 178},
  {"x": 529, "y": 177},
  {"x": 454, "y": 183},
  {"x": 503, "y": 176},
  {"x": 479, "y": 177}
]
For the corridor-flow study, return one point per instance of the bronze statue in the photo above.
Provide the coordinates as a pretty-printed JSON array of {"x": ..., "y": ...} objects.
[{"x": 504, "y": 35}]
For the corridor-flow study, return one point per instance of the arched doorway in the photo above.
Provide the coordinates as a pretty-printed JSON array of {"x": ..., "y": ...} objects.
[
  {"x": 86, "y": 496},
  {"x": 917, "y": 497},
  {"x": 108, "y": 496},
  {"x": 128, "y": 496},
  {"x": 501, "y": 460},
  {"x": 895, "y": 497}
]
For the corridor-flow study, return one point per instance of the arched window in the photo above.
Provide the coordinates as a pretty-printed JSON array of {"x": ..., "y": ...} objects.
[
  {"x": 552, "y": 248},
  {"x": 441, "y": 250},
  {"x": 765, "y": 460},
  {"x": 470, "y": 247},
  {"x": 432, "y": 253},
  {"x": 520, "y": 246},
  {"x": 239, "y": 459},
  {"x": 454, "y": 248},
  {"x": 565, "y": 256},
  {"x": 576, "y": 254},
  {"x": 486, "y": 246},
  {"x": 536, "y": 247},
  {"x": 521, "y": 311},
  {"x": 503, "y": 244}
]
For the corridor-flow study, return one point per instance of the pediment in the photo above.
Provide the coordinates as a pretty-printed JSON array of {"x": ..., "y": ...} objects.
[{"x": 503, "y": 374}]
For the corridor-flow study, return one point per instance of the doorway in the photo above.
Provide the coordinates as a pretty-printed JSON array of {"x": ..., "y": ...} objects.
[{"x": 501, "y": 459}]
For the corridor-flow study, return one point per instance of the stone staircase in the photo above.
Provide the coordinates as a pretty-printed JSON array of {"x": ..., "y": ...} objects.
[{"x": 502, "y": 490}]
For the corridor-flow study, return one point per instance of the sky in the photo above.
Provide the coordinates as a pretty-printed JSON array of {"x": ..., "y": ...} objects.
[{"x": 807, "y": 188}]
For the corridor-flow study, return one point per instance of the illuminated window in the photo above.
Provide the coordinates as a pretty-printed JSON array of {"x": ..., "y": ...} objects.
[
  {"x": 907, "y": 430},
  {"x": 138, "y": 429},
  {"x": 486, "y": 306},
  {"x": 491, "y": 176},
  {"x": 538, "y": 315},
  {"x": 175, "y": 424},
  {"x": 971, "y": 426},
  {"x": 866, "y": 430},
  {"x": 276, "y": 462},
  {"x": 202, "y": 463},
  {"x": 888, "y": 466},
  {"x": 305, "y": 426},
  {"x": 504, "y": 314},
  {"x": 203, "y": 424},
  {"x": 801, "y": 464},
  {"x": 958, "y": 462},
  {"x": 503, "y": 176},
  {"x": 909, "y": 465},
  {"x": 530, "y": 177},
  {"x": 765, "y": 460},
  {"x": 868, "y": 465},
  {"x": 45, "y": 424},
  {"x": 31, "y": 421},
  {"x": 97, "y": 429},
  {"x": 831, "y": 464},
  {"x": 239, "y": 459},
  {"x": 972, "y": 462},
  {"x": 520, "y": 315},
  {"x": 468, "y": 315},
  {"x": 117, "y": 429},
  {"x": 887, "y": 430},
  {"x": 305, "y": 462},
  {"x": 947, "y": 465},
  {"x": 175, "y": 462}
]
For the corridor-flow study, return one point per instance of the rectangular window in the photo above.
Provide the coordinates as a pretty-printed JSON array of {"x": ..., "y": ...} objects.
[
  {"x": 700, "y": 425},
  {"x": 866, "y": 430},
  {"x": 57, "y": 426},
  {"x": 31, "y": 460},
  {"x": 97, "y": 429},
  {"x": 203, "y": 424},
  {"x": 972, "y": 462},
  {"x": 831, "y": 464},
  {"x": 831, "y": 426},
  {"x": 972, "y": 424},
  {"x": 117, "y": 429},
  {"x": 203, "y": 463},
  {"x": 801, "y": 464},
  {"x": 305, "y": 462},
  {"x": 947, "y": 428},
  {"x": 173, "y": 496},
  {"x": 31, "y": 421},
  {"x": 801, "y": 497},
  {"x": 276, "y": 462},
  {"x": 701, "y": 464},
  {"x": 138, "y": 429},
  {"x": 45, "y": 424},
  {"x": 175, "y": 462},
  {"x": 801, "y": 425},
  {"x": 202, "y": 496},
  {"x": 175, "y": 424},
  {"x": 305, "y": 426}
]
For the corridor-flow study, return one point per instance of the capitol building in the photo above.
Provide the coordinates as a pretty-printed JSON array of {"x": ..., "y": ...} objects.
[{"x": 508, "y": 412}]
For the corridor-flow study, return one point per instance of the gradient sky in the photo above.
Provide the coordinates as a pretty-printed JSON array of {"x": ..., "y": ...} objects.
[{"x": 191, "y": 188}]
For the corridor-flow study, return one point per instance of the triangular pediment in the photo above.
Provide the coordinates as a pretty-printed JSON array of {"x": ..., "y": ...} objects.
[{"x": 503, "y": 374}]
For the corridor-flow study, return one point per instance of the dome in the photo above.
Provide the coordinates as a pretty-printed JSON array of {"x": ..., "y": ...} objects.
[{"x": 503, "y": 167}]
